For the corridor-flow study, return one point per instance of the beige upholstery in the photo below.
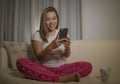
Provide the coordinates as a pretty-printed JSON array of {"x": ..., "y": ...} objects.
[
  {"x": 98, "y": 52},
  {"x": 4, "y": 58}
]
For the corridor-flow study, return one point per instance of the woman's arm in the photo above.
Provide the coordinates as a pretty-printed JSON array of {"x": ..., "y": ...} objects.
[
  {"x": 67, "y": 47},
  {"x": 39, "y": 52},
  {"x": 43, "y": 53},
  {"x": 67, "y": 52}
]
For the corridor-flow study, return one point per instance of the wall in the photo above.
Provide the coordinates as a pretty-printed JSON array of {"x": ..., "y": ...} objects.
[{"x": 100, "y": 19}]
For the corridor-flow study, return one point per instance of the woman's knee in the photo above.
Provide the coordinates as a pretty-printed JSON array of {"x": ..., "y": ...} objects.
[
  {"x": 86, "y": 66},
  {"x": 22, "y": 60}
]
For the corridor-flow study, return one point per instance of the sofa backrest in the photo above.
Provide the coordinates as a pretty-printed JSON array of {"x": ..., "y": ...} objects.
[
  {"x": 90, "y": 50},
  {"x": 99, "y": 53}
]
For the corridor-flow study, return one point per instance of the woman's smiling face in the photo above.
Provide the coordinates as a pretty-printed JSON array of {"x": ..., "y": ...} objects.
[{"x": 51, "y": 20}]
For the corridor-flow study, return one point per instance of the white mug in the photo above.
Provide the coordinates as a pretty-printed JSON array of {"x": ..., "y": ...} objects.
[{"x": 105, "y": 73}]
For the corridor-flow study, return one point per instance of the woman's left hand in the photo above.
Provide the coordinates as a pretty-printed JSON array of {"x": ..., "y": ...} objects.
[{"x": 66, "y": 42}]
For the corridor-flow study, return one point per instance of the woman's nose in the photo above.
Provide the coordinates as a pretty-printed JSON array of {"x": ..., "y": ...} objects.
[{"x": 51, "y": 21}]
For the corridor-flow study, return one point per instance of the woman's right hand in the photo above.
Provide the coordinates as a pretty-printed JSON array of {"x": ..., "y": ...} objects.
[{"x": 56, "y": 42}]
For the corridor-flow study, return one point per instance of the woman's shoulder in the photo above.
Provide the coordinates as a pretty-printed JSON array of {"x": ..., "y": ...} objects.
[
  {"x": 36, "y": 33},
  {"x": 36, "y": 36}
]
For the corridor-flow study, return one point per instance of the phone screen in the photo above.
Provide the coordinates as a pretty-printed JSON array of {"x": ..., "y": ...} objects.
[{"x": 63, "y": 32}]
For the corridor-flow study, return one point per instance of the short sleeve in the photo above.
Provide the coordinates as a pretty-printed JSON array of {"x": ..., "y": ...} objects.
[{"x": 36, "y": 36}]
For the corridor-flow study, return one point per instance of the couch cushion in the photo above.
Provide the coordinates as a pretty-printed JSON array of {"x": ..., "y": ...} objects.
[
  {"x": 3, "y": 58},
  {"x": 8, "y": 76},
  {"x": 15, "y": 50}
]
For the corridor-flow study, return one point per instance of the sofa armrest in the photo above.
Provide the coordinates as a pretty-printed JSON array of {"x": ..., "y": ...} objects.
[{"x": 3, "y": 58}]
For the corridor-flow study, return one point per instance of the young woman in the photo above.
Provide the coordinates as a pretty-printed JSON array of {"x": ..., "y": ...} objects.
[{"x": 52, "y": 53}]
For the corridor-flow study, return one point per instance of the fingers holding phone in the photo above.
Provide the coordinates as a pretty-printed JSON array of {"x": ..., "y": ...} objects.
[
  {"x": 66, "y": 41},
  {"x": 62, "y": 38}
]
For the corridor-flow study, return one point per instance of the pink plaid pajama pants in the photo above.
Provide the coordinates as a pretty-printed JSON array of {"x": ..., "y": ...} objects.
[{"x": 33, "y": 70}]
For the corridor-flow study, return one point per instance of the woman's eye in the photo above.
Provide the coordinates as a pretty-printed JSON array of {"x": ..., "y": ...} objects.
[
  {"x": 47, "y": 19},
  {"x": 54, "y": 18}
]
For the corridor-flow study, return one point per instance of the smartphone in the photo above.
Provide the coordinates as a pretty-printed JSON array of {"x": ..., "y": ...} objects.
[{"x": 63, "y": 33}]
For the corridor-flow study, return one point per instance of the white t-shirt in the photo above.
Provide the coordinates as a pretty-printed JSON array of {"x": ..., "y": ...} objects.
[{"x": 55, "y": 58}]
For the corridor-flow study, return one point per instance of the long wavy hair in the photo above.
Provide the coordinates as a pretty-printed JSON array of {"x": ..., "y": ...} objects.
[{"x": 43, "y": 30}]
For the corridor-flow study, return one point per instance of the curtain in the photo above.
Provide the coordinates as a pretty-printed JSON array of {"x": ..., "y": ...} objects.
[
  {"x": 69, "y": 11},
  {"x": 20, "y": 18},
  {"x": 2, "y": 19},
  {"x": 15, "y": 22}
]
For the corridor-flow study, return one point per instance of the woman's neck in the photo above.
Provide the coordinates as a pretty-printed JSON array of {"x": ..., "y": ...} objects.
[{"x": 51, "y": 33}]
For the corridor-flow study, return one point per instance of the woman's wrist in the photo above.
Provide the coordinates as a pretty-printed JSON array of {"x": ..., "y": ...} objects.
[
  {"x": 67, "y": 48},
  {"x": 49, "y": 48},
  {"x": 67, "y": 52},
  {"x": 44, "y": 53}
]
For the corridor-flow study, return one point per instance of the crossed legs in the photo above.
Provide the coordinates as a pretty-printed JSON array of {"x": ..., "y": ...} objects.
[{"x": 65, "y": 73}]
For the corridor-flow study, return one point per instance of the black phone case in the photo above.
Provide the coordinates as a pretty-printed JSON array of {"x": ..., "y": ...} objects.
[{"x": 63, "y": 33}]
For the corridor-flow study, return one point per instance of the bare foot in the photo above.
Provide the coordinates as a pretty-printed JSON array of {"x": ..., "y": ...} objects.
[{"x": 70, "y": 78}]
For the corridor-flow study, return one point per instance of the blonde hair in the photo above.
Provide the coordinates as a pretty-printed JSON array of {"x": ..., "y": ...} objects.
[{"x": 44, "y": 32}]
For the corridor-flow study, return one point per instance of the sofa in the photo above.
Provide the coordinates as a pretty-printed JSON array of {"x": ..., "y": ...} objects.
[{"x": 100, "y": 53}]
